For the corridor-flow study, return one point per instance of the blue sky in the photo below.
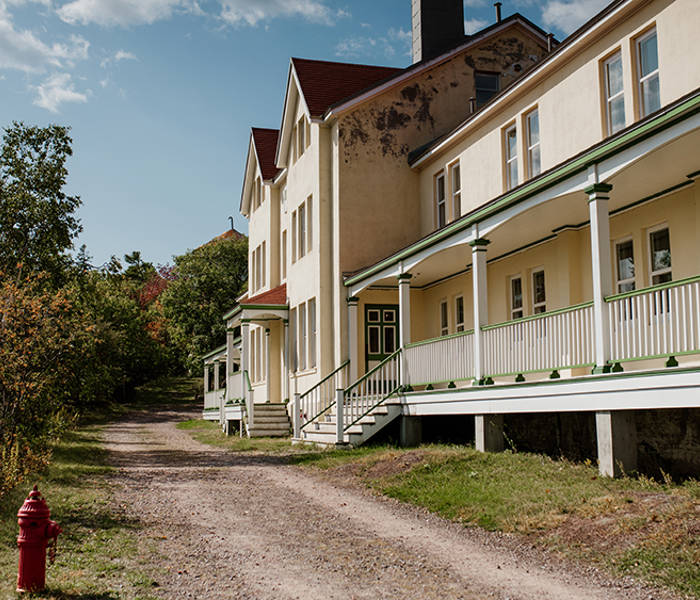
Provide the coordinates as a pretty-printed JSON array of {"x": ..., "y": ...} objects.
[{"x": 161, "y": 95}]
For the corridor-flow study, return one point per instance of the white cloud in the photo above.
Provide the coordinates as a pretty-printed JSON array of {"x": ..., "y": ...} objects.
[
  {"x": 23, "y": 50},
  {"x": 569, "y": 16},
  {"x": 395, "y": 40},
  {"x": 122, "y": 12},
  {"x": 124, "y": 55},
  {"x": 474, "y": 3},
  {"x": 252, "y": 12},
  {"x": 104, "y": 82},
  {"x": 57, "y": 90},
  {"x": 473, "y": 25}
]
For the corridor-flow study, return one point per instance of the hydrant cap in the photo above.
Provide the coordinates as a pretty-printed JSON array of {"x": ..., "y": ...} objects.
[{"x": 34, "y": 507}]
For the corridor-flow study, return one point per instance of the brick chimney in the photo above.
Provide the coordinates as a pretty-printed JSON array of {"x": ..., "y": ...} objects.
[{"x": 438, "y": 25}]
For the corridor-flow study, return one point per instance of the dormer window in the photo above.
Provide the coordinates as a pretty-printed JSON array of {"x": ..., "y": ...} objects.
[
  {"x": 486, "y": 86},
  {"x": 302, "y": 136}
]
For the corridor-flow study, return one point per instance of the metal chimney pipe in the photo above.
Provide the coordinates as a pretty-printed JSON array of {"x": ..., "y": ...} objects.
[
  {"x": 472, "y": 105},
  {"x": 550, "y": 42},
  {"x": 498, "y": 11}
]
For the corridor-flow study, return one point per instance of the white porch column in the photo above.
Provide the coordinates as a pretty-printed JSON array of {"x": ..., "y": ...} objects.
[
  {"x": 245, "y": 351},
  {"x": 602, "y": 271},
  {"x": 285, "y": 363},
  {"x": 352, "y": 338},
  {"x": 206, "y": 378},
  {"x": 216, "y": 375},
  {"x": 404, "y": 322},
  {"x": 267, "y": 363},
  {"x": 481, "y": 314},
  {"x": 229, "y": 363}
]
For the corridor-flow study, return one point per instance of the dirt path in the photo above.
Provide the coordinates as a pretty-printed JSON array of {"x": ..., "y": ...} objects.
[{"x": 244, "y": 526}]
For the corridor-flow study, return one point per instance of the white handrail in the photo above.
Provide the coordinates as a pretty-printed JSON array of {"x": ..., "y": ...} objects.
[
  {"x": 440, "y": 360},
  {"x": 316, "y": 402}
]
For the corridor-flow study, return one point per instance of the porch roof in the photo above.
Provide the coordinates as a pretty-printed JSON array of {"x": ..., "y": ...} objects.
[
  {"x": 275, "y": 299},
  {"x": 677, "y": 112},
  {"x": 215, "y": 353}
]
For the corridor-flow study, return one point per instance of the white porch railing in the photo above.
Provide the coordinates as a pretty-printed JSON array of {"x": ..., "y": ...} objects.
[
  {"x": 561, "y": 339},
  {"x": 317, "y": 401},
  {"x": 368, "y": 392},
  {"x": 234, "y": 385},
  {"x": 211, "y": 399},
  {"x": 656, "y": 322},
  {"x": 440, "y": 360}
]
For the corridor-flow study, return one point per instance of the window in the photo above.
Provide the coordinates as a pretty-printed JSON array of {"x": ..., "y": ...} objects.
[
  {"x": 456, "y": 181},
  {"x": 459, "y": 313},
  {"x": 486, "y": 85},
  {"x": 293, "y": 359},
  {"x": 294, "y": 236},
  {"x": 624, "y": 261},
  {"x": 263, "y": 279},
  {"x": 516, "y": 298},
  {"x": 283, "y": 261},
  {"x": 309, "y": 223},
  {"x": 308, "y": 133},
  {"x": 614, "y": 93},
  {"x": 301, "y": 236},
  {"x": 660, "y": 256},
  {"x": 440, "y": 206},
  {"x": 258, "y": 268},
  {"x": 444, "y": 326},
  {"x": 648, "y": 70},
  {"x": 294, "y": 144},
  {"x": 302, "y": 337},
  {"x": 539, "y": 295},
  {"x": 251, "y": 270},
  {"x": 510, "y": 138},
  {"x": 532, "y": 122},
  {"x": 301, "y": 131},
  {"x": 283, "y": 199},
  {"x": 312, "y": 333}
]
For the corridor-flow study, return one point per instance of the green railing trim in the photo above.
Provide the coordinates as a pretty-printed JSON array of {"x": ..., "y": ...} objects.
[
  {"x": 219, "y": 350},
  {"x": 363, "y": 415},
  {"x": 441, "y": 338},
  {"x": 653, "y": 288},
  {"x": 544, "y": 370},
  {"x": 326, "y": 378},
  {"x": 373, "y": 370},
  {"x": 456, "y": 379},
  {"x": 247, "y": 379},
  {"x": 654, "y": 356},
  {"x": 543, "y": 315}
]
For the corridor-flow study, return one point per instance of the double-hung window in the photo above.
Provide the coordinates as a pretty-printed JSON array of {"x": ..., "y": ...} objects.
[
  {"x": 312, "y": 332},
  {"x": 459, "y": 313},
  {"x": 444, "y": 324},
  {"x": 440, "y": 201},
  {"x": 624, "y": 261},
  {"x": 539, "y": 293},
  {"x": 301, "y": 237},
  {"x": 648, "y": 71},
  {"x": 486, "y": 86},
  {"x": 614, "y": 93},
  {"x": 263, "y": 266},
  {"x": 302, "y": 337},
  {"x": 510, "y": 139},
  {"x": 516, "y": 297},
  {"x": 456, "y": 183},
  {"x": 309, "y": 223},
  {"x": 532, "y": 123},
  {"x": 294, "y": 236},
  {"x": 660, "y": 256}
]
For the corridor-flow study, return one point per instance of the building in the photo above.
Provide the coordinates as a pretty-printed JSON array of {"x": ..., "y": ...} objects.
[{"x": 508, "y": 226}]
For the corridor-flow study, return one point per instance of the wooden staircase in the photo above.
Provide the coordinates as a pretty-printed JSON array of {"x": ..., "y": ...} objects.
[{"x": 269, "y": 420}]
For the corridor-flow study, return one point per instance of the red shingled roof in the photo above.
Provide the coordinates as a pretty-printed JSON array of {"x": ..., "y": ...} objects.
[
  {"x": 265, "y": 141},
  {"x": 326, "y": 83},
  {"x": 275, "y": 297}
]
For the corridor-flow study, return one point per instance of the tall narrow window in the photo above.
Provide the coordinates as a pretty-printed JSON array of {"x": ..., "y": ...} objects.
[
  {"x": 614, "y": 93},
  {"x": 301, "y": 237},
  {"x": 648, "y": 69},
  {"x": 459, "y": 313},
  {"x": 294, "y": 236},
  {"x": 283, "y": 199},
  {"x": 516, "y": 298},
  {"x": 456, "y": 181},
  {"x": 308, "y": 133},
  {"x": 539, "y": 293},
  {"x": 302, "y": 337},
  {"x": 511, "y": 150},
  {"x": 293, "y": 359},
  {"x": 258, "y": 268},
  {"x": 251, "y": 270},
  {"x": 294, "y": 144},
  {"x": 444, "y": 324},
  {"x": 533, "y": 143},
  {"x": 301, "y": 130},
  {"x": 312, "y": 333},
  {"x": 283, "y": 260},
  {"x": 263, "y": 279},
  {"x": 440, "y": 202},
  {"x": 486, "y": 85},
  {"x": 309, "y": 224},
  {"x": 660, "y": 256},
  {"x": 624, "y": 260}
]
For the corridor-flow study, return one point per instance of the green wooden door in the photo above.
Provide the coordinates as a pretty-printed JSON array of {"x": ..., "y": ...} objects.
[{"x": 381, "y": 332}]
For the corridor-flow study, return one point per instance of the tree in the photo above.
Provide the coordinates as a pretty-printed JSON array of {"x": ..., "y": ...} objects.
[
  {"x": 37, "y": 220},
  {"x": 207, "y": 282}
]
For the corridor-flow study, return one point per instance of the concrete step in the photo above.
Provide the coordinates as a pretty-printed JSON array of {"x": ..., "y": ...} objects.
[
  {"x": 258, "y": 433},
  {"x": 265, "y": 418}
]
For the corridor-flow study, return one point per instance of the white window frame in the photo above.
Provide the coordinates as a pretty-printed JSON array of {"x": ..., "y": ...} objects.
[
  {"x": 456, "y": 190},
  {"x": 617, "y": 55},
  {"x": 641, "y": 79},
  {"x": 508, "y": 158},
  {"x": 537, "y": 305},
  {"x": 294, "y": 237},
  {"x": 283, "y": 260},
  {"x": 301, "y": 234},
  {"x": 459, "y": 324},
  {"x": 444, "y": 312},
  {"x": 309, "y": 224},
  {"x": 514, "y": 309},
  {"x": 440, "y": 202},
  {"x": 301, "y": 132},
  {"x": 302, "y": 336},
  {"x": 263, "y": 261},
  {"x": 653, "y": 273},
  {"x": 530, "y": 145},
  {"x": 620, "y": 282},
  {"x": 311, "y": 316}
]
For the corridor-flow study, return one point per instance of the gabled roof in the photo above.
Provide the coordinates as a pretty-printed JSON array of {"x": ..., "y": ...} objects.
[
  {"x": 324, "y": 83},
  {"x": 265, "y": 142},
  {"x": 273, "y": 297}
]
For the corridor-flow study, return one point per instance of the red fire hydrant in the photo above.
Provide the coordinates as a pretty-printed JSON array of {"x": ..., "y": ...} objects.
[{"x": 35, "y": 532}]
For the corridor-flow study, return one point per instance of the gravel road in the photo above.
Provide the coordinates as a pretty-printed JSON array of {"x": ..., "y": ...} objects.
[{"x": 238, "y": 526}]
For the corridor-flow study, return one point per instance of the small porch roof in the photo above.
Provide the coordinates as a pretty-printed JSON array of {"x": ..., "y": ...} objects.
[
  {"x": 268, "y": 305},
  {"x": 214, "y": 354}
]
